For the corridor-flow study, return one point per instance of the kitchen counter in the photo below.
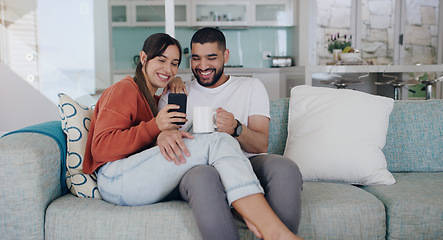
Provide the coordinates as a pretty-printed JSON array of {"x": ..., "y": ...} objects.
[
  {"x": 271, "y": 78},
  {"x": 316, "y": 76},
  {"x": 279, "y": 81},
  {"x": 309, "y": 70},
  {"x": 227, "y": 69},
  {"x": 186, "y": 73}
]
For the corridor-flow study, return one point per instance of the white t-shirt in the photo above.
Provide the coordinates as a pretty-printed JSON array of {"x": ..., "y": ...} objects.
[{"x": 242, "y": 96}]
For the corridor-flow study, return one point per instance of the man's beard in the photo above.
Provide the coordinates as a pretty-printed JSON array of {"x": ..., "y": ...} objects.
[{"x": 215, "y": 79}]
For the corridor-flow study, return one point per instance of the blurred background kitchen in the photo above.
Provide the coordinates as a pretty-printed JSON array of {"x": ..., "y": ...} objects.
[{"x": 82, "y": 47}]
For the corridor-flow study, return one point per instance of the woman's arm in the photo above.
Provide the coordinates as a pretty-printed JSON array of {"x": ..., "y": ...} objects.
[
  {"x": 116, "y": 136},
  {"x": 122, "y": 123}
]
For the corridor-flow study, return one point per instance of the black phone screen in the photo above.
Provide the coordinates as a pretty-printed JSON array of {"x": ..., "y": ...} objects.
[{"x": 178, "y": 99}]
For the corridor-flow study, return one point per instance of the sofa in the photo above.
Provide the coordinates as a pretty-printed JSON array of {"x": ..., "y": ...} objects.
[{"x": 33, "y": 205}]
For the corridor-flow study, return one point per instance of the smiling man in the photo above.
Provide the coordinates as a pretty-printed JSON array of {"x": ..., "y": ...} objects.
[
  {"x": 242, "y": 105},
  {"x": 207, "y": 63}
]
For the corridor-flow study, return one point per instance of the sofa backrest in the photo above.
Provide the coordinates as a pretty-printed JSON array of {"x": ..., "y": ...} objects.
[
  {"x": 414, "y": 141},
  {"x": 278, "y": 129}
]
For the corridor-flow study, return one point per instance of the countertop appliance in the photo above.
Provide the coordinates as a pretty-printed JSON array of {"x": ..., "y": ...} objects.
[{"x": 281, "y": 61}]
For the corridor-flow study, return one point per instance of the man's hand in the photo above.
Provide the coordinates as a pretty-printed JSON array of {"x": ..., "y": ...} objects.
[
  {"x": 254, "y": 137},
  {"x": 176, "y": 85},
  {"x": 172, "y": 146},
  {"x": 225, "y": 121}
]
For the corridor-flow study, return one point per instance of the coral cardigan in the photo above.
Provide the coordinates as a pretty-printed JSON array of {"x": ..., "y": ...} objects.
[{"x": 122, "y": 124}]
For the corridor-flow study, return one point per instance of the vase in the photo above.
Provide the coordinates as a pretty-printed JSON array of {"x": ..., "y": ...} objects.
[{"x": 336, "y": 54}]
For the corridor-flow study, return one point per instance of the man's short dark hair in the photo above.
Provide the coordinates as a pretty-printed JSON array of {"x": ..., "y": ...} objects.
[{"x": 209, "y": 35}]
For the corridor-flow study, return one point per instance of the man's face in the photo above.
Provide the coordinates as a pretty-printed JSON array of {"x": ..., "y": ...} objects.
[{"x": 207, "y": 63}]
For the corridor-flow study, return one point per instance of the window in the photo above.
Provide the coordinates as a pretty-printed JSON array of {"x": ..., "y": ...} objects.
[
  {"x": 389, "y": 31},
  {"x": 419, "y": 29}
]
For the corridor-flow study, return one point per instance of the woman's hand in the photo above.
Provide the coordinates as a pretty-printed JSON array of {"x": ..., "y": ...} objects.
[
  {"x": 172, "y": 146},
  {"x": 166, "y": 120},
  {"x": 176, "y": 85}
]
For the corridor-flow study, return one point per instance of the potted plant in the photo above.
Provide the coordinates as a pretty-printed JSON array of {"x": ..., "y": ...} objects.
[
  {"x": 337, "y": 42},
  {"x": 341, "y": 48}
]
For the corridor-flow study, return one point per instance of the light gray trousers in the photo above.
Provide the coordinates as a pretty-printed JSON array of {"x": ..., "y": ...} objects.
[{"x": 146, "y": 177}]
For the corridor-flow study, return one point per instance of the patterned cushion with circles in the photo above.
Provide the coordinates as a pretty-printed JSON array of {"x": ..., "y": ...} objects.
[{"x": 75, "y": 123}]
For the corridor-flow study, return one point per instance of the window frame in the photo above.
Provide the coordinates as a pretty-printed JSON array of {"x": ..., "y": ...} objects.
[{"x": 399, "y": 29}]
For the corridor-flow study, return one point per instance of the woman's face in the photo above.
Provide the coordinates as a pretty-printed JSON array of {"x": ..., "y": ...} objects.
[{"x": 160, "y": 70}]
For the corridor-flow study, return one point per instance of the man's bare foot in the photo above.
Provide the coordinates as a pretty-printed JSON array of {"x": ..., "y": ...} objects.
[
  {"x": 253, "y": 229},
  {"x": 251, "y": 226},
  {"x": 280, "y": 235}
]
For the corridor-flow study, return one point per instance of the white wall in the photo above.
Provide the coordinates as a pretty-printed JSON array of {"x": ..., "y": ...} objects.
[
  {"x": 102, "y": 44},
  {"x": 66, "y": 42},
  {"x": 306, "y": 33},
  {"x": 22, "y": 105}
]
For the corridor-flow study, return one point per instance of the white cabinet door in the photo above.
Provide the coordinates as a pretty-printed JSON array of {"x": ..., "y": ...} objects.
[
  {"x": 121, "y": 13},
  {"x": 148, "y": 13},
  {"x": 275, "y": 86},
  {"x": 152, "y": 13},
  {"x": 220, "y": 13},
  {"x": 272, "y": 13}
]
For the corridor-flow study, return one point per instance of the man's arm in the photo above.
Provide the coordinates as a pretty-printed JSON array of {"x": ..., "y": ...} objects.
[{"x": 253, "y": 138}]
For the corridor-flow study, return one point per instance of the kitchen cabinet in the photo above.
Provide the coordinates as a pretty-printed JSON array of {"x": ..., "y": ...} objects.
[
  {"x": 243, "y": 13},
  {"x": 120, "y": 13},
  {"x": 220, "y": 13},
  {"x": 129, "y": 13},
  {"x": 271, "y": 78},
  {"x": 272, "y": 13},
  {"x": 275, "y": 85},
  {"x": 152, "y": 13},
  {"x": 148, "y": 13}
]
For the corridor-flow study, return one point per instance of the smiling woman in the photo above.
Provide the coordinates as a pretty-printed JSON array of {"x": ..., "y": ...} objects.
[
  {"x": 163, "y": 64},
  {"x": 126, "y": 119}
]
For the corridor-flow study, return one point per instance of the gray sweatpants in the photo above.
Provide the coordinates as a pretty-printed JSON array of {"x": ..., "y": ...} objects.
[{"x": 202, "y": 188}]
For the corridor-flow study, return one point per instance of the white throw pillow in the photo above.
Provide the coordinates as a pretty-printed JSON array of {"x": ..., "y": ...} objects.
[
  {"x": 338, "y": 135},
  {"x": 75, "y": 123}
]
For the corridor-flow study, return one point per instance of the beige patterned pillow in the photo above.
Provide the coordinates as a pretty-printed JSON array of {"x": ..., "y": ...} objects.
[{"x": 75, "y": 123}]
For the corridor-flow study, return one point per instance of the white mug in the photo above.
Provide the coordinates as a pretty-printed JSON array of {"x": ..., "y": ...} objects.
[{"x": 204, "y": 119}]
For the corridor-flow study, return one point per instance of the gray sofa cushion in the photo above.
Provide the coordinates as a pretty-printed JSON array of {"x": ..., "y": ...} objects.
[
  {"x": 340, "y": 211},
  {"x": 329, "y": 211},
  {"x": 70, "y": 217},
  {"x": 414, "y": 205}
]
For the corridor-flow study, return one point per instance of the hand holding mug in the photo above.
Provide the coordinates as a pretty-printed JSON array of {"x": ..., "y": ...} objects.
[{"x": 225, "y": 121}]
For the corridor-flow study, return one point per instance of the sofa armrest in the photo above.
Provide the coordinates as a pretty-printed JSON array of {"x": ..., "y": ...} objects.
[{"x": 29, "y": 182}]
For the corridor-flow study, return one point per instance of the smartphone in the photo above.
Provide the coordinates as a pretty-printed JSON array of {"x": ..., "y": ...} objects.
[{"x": 178, "y": 99}]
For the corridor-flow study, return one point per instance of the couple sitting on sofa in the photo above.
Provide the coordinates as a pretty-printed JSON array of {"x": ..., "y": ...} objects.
[{"x": 141, "y": 157}]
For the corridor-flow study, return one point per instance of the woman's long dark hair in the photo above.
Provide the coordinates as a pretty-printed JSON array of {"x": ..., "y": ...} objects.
[{"x": 155, "y": 45}]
